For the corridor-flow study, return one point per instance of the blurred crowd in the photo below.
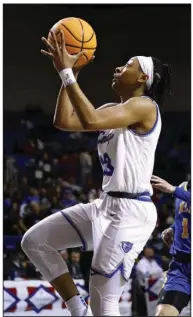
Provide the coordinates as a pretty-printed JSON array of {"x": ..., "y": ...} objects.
[{"x": 46, "y": 170}]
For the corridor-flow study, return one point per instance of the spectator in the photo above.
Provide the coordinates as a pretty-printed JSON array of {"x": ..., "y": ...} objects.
[
  {"x": 74, "y": 265},
  {"x": 24, "y": 186},
  {"x": 11, "y": 220},
  {"x": 148, "y": 267},
  {"x": 68, "y": 198},
  {"x": 32, "y": 215},
  {"x": 11, "y": 170},
  {"x": 56, "y": 205}
]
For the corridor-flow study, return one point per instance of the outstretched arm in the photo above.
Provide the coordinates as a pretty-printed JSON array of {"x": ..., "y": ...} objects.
[{"x": 164, "y": 186}]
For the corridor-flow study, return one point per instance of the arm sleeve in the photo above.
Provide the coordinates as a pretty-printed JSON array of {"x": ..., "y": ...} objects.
[{"x": 182, "y": 194}]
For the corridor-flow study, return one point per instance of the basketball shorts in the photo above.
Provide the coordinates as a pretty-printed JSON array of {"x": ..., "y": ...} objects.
[{"x": 116, "y": 229}]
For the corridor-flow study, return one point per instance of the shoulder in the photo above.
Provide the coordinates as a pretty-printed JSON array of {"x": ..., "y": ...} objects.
[
  {"x": 106, "y": 105},
  {"x": 140, "y": 102},
  {"x": 142, "y": 108}
]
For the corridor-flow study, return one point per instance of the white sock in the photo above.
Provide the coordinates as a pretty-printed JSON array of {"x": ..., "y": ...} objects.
[{"x": 77, "y": 306}]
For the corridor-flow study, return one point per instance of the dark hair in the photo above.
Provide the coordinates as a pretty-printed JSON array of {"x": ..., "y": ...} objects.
[{"x": 161, "y": 81}]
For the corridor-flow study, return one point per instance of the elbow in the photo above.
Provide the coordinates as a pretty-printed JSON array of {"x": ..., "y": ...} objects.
[{"x": 58, "y": 124}]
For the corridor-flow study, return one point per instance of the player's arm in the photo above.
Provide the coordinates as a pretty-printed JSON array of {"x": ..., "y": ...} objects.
[
  {"x": 64, "y": 112},
  {"x": 65, "y": 118},
  {"x": 136, "y": 110},
  {"x": 182, "y": 194},
  {"x": 164, "y": 186}
]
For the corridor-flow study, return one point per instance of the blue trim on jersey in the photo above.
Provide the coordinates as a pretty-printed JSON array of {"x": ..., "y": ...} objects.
[
  {"x": 119, "y": 268},
  {"x": 151, "y": 130},
  {"x": 145, "y": 196},
  {"x": 148, "y": 199},
  {"x": 84, "y": 244}
]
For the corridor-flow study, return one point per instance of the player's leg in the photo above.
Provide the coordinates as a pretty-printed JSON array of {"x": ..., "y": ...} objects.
[
  {"x": 59, "y": 231},
  {"x": 171, "y": 303},
  {"x": 106, "y": 284},
  {"x": 115, "y": 251}
]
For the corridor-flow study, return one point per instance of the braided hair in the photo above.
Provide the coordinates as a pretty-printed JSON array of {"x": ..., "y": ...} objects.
[{"x": 161, "y": 81}]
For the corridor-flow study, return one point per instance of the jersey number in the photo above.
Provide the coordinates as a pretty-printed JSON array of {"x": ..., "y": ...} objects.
[
  {"x": 185, "y": 233},
  {"x": 108, "y": 168}
]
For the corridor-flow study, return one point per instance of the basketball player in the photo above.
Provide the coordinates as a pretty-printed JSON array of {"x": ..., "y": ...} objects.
[
  {"x": 118, "y": 224},
  {"x": 175, "y": 294}
]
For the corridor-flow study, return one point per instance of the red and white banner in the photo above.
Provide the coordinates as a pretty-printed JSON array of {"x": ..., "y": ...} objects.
[{"x": 32, "y": 298}]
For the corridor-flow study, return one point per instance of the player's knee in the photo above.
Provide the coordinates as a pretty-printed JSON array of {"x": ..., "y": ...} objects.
[
  {"x": 31, "y": 240},
  {"x": 26, "y": 241}
]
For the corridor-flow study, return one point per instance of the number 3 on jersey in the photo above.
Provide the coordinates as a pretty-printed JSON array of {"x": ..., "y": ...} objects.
[{"x": 108, "y": 168}]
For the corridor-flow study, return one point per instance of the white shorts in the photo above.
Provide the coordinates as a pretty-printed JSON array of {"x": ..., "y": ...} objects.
[{"x": 116, "y": 229}]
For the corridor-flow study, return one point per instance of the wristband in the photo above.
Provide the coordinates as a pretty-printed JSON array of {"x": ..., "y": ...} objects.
[{"x": 67, "y": 76}]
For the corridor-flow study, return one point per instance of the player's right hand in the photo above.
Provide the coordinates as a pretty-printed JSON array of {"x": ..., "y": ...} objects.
[{"x": 168, "y": 236}]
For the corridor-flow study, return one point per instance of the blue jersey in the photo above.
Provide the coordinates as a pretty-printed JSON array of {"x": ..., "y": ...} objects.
[
  {"x": 182, "y": 225},
  {"x": 179, "y": 273}
]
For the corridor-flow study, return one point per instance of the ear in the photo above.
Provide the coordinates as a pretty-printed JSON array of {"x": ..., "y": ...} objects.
[{"x": 142, "y": 78}]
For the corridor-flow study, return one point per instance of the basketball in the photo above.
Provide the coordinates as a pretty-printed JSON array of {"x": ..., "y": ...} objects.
[{"x": 79, "y": 35}]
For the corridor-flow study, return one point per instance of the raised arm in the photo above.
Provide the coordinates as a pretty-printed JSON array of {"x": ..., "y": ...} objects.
[
  {"x": 136, "y": 110},
  {"x": 65, "y": 117}
]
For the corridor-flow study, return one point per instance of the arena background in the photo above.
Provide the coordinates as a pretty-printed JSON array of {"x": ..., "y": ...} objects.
[{"x": 46, "y": 170}]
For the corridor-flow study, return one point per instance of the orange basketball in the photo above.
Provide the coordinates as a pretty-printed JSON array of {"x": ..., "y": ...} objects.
[{"x": 79, "y": 35}]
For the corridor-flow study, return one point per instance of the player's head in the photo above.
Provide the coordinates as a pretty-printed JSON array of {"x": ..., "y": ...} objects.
[{"x": 148, "y": 75}]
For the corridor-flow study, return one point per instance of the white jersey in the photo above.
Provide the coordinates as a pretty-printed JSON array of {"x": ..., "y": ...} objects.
[{"x": 127, "y": 158}]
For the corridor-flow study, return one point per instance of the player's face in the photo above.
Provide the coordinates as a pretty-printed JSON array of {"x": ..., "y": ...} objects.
[{"x": 127, "y": 76}]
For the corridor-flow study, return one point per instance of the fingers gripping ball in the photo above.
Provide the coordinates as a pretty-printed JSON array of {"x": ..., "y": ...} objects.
[{"x": 79, "y": 36}]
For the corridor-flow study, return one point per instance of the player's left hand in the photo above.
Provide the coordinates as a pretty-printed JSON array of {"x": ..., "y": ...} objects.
[
  {"x": 58, "y": 53},
  {"x": 161, "y": 184}
]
